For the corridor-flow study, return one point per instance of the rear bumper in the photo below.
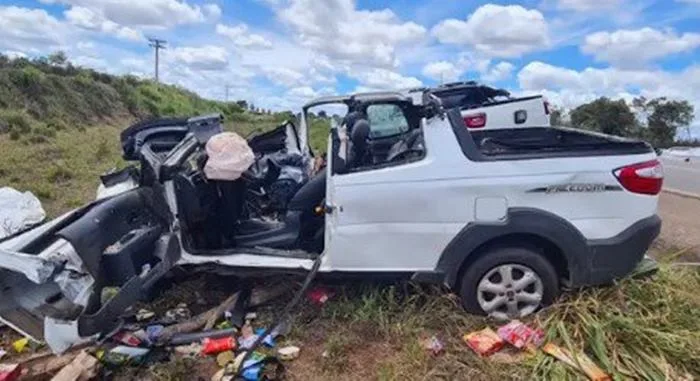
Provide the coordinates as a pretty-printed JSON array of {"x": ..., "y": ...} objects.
[{"x": 616, "y": 257}]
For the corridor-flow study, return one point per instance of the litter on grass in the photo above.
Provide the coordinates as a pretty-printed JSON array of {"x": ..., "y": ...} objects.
[
  {"x": 20, "y": 345},
  {"x": 485, "y": 342},
  {"x": 215, "y": 346},
  {"x": 433, "y": 344},
  {"x": 520, "y": 335},
  {"x": 18, "y": 211},
  {"x": 288, "y": 353},
  {"x": 10, "y": 372}
]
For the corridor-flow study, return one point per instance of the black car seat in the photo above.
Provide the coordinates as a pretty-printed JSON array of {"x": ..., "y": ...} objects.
[{"x": 359, "y": 151}]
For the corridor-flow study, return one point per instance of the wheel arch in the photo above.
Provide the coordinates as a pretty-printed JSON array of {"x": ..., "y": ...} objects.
[{"x": 555, "y": 238}]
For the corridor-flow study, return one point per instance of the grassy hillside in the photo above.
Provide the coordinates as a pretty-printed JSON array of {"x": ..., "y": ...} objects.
[{"x": 59, "y": 125}]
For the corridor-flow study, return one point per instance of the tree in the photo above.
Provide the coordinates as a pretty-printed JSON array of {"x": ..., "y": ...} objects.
[
  {"x": 556, "y": 117},
  {"x": 606, "y": 116},
  {"x": 663, "y": 119},
  {"x": 242, "y": 103},
  {"x": 58, "y": 58},
  {"x": 322, "y": 114}
]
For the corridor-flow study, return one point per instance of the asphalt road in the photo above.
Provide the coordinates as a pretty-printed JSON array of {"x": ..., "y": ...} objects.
[{"x": 682, "y": 176}]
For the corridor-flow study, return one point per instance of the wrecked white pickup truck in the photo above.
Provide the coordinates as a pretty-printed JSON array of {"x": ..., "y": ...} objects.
[{"x": 505, "y": 217}]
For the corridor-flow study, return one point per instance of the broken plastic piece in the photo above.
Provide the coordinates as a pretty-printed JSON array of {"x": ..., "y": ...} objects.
[
  {"x": 224, "y": 358},
  {"x": 252, "y": 368},
  {"x": 288, "y": 353},
  {"x": 122, "y": 354},
  {"x": 186, "y": 338},
  {"x": 127, "y": 338},
  {"x": 268, "y": 340},
  {"x": 520, "y": 335},
  {"x": 10, "y": 372},
  {"x": 577, "y": 361},
  {"x": 143, "y": 315},
  {"x": 153, "y": 332},
  {"x": 176, "y": 315},
  {"x": 214, "y": 346},
  {"x": 485, "y": 342},
  {"x": 20, "y": 345}
]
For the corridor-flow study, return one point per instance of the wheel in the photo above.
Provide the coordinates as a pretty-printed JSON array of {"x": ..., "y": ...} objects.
[{"x": 508, "y": 283}]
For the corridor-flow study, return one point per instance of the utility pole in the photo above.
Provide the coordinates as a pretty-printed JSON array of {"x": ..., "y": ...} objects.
[
  {"x": 227, "y": 87},
  {"x": 157, "y": 45}
]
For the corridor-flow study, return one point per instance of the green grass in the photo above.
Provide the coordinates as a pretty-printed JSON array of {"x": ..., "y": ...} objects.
[
  {"x": 59, "y": 125},
  {"x": 637, "y": 329}
]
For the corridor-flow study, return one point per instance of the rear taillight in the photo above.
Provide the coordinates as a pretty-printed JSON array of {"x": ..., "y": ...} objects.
[
  {"x": 546, "y": 108},
  {"x": 475, "y": 120},
  {"x": 644, "y": 178}
]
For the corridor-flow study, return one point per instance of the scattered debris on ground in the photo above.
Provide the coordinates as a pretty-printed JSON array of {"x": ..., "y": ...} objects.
[{"x": 640, "y": 328}]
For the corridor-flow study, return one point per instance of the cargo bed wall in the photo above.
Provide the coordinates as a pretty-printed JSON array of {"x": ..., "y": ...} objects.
[{"x": 539, "y": 142}]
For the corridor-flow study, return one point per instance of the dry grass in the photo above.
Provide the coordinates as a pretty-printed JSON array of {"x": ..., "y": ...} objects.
[{"x": 637, "y": 329}]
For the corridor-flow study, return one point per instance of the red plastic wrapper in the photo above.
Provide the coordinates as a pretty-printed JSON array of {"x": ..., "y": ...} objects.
[
  {"x": 127, "y": 338},
  {"x": 485, "y": 342},
  {"x": 215, "y": 346},
  {"x": 520, "y": 335},
  {"x": 319, "y": 295},
  {"x": 10, "y": 372}
]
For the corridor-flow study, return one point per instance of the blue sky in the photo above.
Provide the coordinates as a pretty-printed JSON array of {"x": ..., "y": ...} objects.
[{"x": 281, "y": 53}]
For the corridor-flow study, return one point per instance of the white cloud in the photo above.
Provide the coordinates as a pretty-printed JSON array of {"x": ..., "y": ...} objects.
[
  {"x": 497, "y": 31},
  {"x": 626, "y": 48},
  {"x": 88, "y": 19},
  {"x": 487, "y": 71},
  {"x": 140, "y": 13},
  {"x": 302, "y": 92},
  {"x": 12, "y": 54},
  {"x": 212, "y": 11},
  {"x": 241, "y": 38},
  {"x": 283, "y": 76},
  {"x": 336, "y": 29},
  {"x": 570, "y": 87},
  {"x": 383, "y": 79},
  {"x": 92, "y": 62},
  {"x": 442, "y": 71},
  {"x": 498, "y": 72},
  {"x": 206, "y": 57},
  {"x": 589, "y": 5},
  {"x": 23, "y": 29}
]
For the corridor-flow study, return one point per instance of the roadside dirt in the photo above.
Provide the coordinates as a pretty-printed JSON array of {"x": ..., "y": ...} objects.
[{"x": 680, "y": 232}]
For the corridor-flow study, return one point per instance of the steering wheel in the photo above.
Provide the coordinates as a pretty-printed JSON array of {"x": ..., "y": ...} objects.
[{"x": 403, "y": 155}]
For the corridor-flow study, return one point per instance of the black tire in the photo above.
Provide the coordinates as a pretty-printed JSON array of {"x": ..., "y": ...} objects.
[{"x": 505, "y": 255}]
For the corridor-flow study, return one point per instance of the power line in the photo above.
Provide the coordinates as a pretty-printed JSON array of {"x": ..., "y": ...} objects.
[
  {"x": 227, "y": 87},
  {"x": 157, "y": 45}
]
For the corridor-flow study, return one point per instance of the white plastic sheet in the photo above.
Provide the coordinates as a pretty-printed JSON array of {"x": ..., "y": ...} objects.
[
  {"x": 229, "y": 156},
  {"x": 18, "y": 211}
]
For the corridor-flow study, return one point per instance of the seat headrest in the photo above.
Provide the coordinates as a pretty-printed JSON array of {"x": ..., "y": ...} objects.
[{"x": 360, "y": 133}]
